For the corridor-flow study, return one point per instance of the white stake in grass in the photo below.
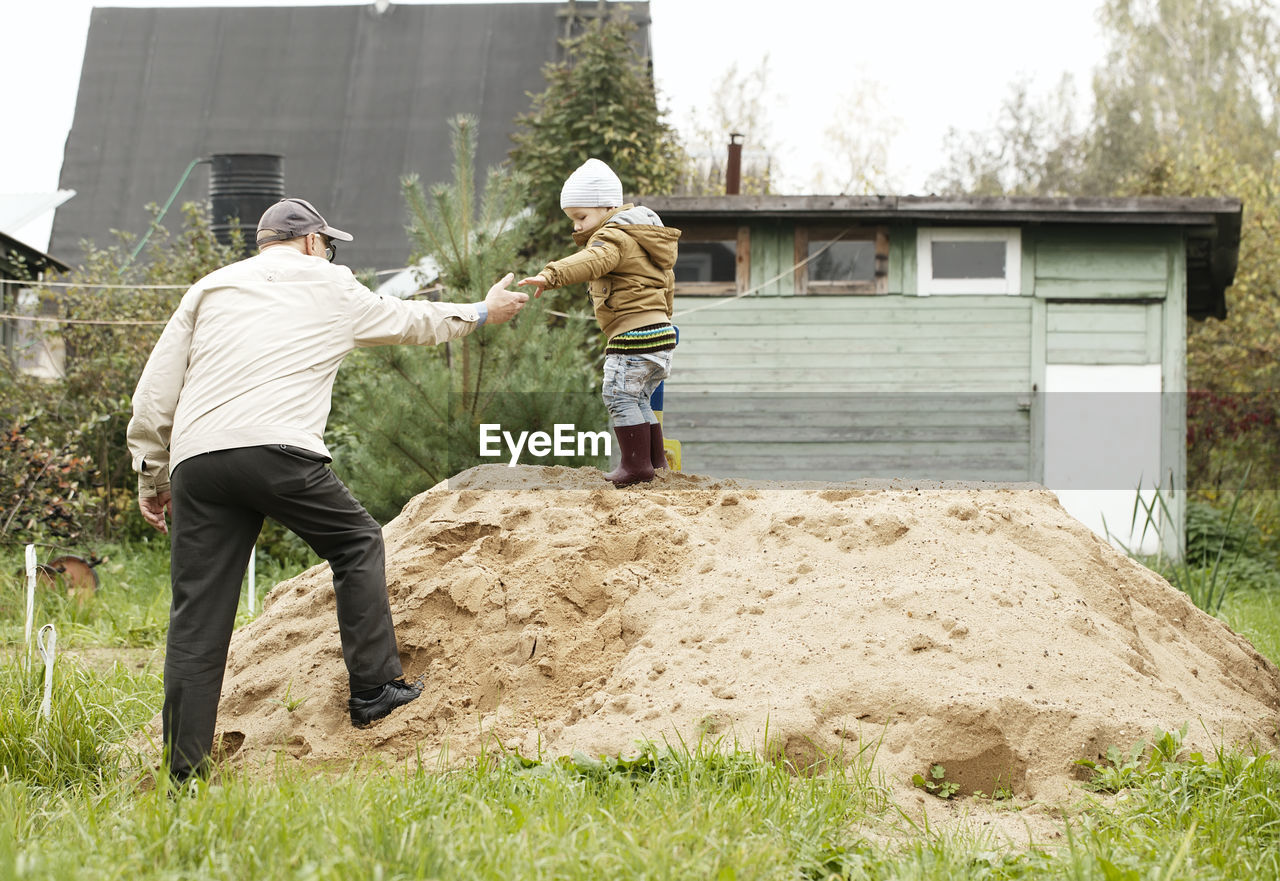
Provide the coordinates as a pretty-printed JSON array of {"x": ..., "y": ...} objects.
[
  {"x": 48, "y": 652},
  {"x": 31, "y": 593}
]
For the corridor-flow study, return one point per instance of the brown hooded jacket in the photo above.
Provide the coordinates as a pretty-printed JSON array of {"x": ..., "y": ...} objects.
[{"x": 628, "y": 260}]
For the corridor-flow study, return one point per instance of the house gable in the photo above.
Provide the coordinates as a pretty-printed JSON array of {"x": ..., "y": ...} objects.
[{"x": 353, "y": 97}]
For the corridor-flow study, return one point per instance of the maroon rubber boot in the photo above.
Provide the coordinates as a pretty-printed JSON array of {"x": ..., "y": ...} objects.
[
  {"x": 633, "y": 446},
  {"x": 657, "y": 454}
]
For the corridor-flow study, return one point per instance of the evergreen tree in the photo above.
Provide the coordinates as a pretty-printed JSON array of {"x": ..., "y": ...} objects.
[
  {"x": 406, "y": 417},
  {"x": 600, "y": 103}
]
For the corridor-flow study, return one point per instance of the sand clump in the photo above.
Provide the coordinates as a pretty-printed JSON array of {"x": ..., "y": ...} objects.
[{"x": 977, "y": 626}]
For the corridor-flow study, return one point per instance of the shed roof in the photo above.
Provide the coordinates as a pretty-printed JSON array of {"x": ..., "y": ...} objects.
[
  {"x": 13, "y": 251},
  {"x": 19, "y": 209},
  {"x": 352, "y": 96},
  {"x": 1211, "y": 225}
]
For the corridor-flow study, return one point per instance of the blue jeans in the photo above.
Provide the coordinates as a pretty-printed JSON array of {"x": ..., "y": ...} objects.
[{"x": 629, "y": 381}]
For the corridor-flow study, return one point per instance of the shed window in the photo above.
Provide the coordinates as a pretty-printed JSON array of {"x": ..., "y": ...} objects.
[
  {"x": 841, "y": 260},
  {"x": 707, "y": 261},
  {"x": 969, "y": 261},
  {"x": 711, "y": 259}
]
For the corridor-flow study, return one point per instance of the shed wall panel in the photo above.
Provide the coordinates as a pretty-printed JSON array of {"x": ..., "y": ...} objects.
[
  {"x": 1091, "y": 269},
  {"x": 842, "y": 387},
  {"x": 1103, "y": 333},
  {"x": 772, "y": 259},
  {"x": 1103, "y": 261}
]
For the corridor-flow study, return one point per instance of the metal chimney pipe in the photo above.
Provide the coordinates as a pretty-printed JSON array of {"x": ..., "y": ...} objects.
[{"x": 733, "y": 173}]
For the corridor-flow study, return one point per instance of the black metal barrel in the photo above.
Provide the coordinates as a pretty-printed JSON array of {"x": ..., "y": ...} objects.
[{"x": 241, "y": 187}]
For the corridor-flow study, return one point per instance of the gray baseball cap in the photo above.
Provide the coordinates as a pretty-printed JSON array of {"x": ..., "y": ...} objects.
[{"x": 291, "y": 218}]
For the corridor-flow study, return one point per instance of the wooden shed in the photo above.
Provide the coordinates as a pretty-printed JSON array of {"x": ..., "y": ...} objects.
[
  {"x": 928, "y": 338},
  {"x": 23, "y": 341}
]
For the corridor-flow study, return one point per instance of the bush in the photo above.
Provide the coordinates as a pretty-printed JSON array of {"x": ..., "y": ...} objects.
[
  {"x": 1223, "y": 551},
  {"x": 109, "y": 332},
  {"x": 1247, "y": 562},
  {"x": 46, "y": 488}
]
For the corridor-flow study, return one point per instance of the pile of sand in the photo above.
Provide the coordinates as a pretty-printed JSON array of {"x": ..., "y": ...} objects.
[{"x": 975, "y": 626}]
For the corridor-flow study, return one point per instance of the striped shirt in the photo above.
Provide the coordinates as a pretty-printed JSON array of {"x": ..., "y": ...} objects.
[{"x": 651, "y": 338}]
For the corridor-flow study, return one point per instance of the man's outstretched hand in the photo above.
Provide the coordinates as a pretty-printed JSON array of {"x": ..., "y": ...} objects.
[{"x": 502, "y": 303}]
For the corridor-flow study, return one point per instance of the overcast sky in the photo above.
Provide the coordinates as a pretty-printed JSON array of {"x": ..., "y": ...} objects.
[{"x": 932, "y": 65}]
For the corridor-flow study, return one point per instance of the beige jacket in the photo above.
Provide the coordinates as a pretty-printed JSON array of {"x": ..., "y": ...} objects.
[
  {"x": 250, "y": 355},
  {"x": 628, "y": 260}
]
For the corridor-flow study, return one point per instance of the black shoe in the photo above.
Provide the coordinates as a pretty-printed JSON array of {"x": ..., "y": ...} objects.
[{"x": 395, "y": 693}]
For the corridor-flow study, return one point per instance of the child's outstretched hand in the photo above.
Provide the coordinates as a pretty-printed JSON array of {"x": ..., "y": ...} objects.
[{"x": 537, "y": 281}]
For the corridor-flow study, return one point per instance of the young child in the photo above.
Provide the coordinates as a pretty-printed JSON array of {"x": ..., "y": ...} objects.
[{"x": 627, "y": 257}]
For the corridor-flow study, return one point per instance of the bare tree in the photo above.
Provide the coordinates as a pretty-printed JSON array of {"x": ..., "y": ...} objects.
[
  {"x": 1178, "y": 72},
  {"x": 737, "y": 105},
  {"x": 1035, "y": 147},
  {"x": 857, "y": 144}
]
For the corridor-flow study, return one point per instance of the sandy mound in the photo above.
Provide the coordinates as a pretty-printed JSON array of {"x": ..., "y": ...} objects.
[{"x": 976, "y": 626}]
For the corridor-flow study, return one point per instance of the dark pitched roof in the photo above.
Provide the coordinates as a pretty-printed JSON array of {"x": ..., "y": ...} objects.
[
  {"x": 1211, "y": 225},
  {"x": 352, "y": 97},
  {"x": 18, "y": 261}
]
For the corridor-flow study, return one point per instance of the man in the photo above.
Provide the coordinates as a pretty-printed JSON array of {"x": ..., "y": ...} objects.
[{"x": 227, "y": 429}]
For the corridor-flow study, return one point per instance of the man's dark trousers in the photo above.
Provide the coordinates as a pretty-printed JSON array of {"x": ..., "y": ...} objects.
[{"x": 219, "y": 501}]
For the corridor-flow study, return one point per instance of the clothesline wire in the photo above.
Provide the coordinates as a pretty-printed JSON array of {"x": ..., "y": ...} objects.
[
  {"x": 53, "y": 319},
  {"x": 109, "y": 322},
  {"x": 425, "y": 291},
  {"x": 102, "y": 285}
]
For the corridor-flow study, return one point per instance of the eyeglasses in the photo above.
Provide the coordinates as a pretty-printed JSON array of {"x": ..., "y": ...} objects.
[{"x": 330, "y": 249}]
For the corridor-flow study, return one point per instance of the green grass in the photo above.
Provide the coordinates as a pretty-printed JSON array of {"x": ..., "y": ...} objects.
[
  {"x": 684, "y": 814},
  {"x": 1255, "y": 615},
  {"x": 75, "y": 803},
  {"x": 130, "y": 608},
  {"x": 90, "y": 715},
  {"x": 691, "y": 815},
  {"x": 1219, "y": 819}
]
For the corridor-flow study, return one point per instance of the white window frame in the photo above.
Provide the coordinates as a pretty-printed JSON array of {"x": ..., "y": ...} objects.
[{"x": 1010, "y": 284}]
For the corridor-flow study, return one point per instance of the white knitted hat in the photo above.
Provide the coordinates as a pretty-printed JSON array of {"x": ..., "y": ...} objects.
[{"x": 593, "y": 185}]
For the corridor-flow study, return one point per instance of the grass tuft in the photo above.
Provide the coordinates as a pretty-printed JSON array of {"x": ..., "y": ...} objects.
[{"x": 90, "y": 714}]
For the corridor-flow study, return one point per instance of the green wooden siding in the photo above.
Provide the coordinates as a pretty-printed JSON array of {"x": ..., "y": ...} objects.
[
  {"x": 860, "y": 343},
  {"x": 773, "y": 256},
  {"x": 1101, "y": 270},
  {"x": 841, "y": 387},
  {"x": 901, "y": 386},
  {"x": 902, "y": 260},
  {"x": 1104, "y": 333}
]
